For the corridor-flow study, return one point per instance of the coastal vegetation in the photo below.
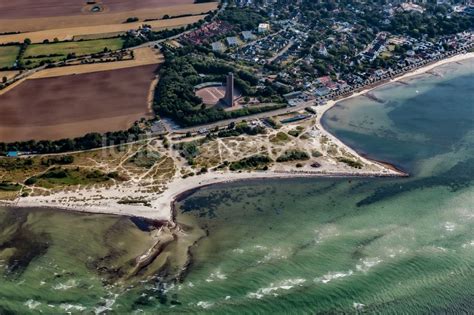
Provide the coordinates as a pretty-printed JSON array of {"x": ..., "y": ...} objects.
[
  {"x": 63, "y": 177},
  {"x": 295, "y": 132},
  {"x": 9, "y": 186},
  {"x": 255, "y": 162},
  {"x": 242, "y": 128},
  {"x": 280, "y": 138},
  {"x": 293, "y": 155},
  {"x": 144, "y": 158},
  {"x": 350, "y": 162},
  {"x": 189, "y": 150}
]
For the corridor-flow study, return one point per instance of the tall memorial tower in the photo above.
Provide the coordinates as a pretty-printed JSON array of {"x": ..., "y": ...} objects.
[{"x": 229, "y": 90}]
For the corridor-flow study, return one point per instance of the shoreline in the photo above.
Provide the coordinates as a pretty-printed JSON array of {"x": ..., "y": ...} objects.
[
  {"x": 321, "y": 110},
  {"x": 163, "y": 205}
]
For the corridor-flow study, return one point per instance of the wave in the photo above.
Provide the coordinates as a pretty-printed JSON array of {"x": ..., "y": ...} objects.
[
  {"x": 271, "y": 290},
  {"x": 368, "y": 263},
  {"x": 205, "y": 304},
  {"x": 333, "y": 276},
  {"x": 32, "y": 304},
  {"x": 238, "y": 250},
  {"x": 276, "y": 253},
  {"x": 449, "y": 226},
  {"x": 465, "y": 245},
  {"x": 107, "y": 305},
  {"x": 216, "y": 275},
  {"x": 66, "y": 285},
  {"x": 72, "y": 307}
]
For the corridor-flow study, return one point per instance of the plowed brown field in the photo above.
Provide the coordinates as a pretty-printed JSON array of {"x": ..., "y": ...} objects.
[{"x": 70, "y": 106}]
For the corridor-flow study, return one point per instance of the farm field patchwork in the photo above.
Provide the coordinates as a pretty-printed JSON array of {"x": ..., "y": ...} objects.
[
  {"x": 73, "y": 105},
  {"x": 80, "y": 31},
  {"x": 8, "y": 55}
]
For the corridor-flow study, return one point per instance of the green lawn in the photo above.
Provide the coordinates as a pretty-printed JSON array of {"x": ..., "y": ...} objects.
[
  {"x": 8, "y": 55},
  {"x": 79, "y": 48}
]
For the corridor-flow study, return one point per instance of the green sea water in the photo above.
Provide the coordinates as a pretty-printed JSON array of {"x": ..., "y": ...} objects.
[{"x": 296, "y": 246}]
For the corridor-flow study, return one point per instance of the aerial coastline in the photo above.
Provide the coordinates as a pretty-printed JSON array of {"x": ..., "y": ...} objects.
[
  {"x": 105, "y": 200},
  {"x": 193, "y": 156},
  {"x": 266, "y": 124}
]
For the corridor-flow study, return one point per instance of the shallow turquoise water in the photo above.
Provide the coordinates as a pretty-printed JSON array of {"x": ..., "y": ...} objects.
[
  {"x": 319, "y": 246},
  {"x": 344, "y": 246}
]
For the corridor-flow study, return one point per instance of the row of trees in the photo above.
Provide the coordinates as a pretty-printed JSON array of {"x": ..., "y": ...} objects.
[{"x": 87, "y": 142}]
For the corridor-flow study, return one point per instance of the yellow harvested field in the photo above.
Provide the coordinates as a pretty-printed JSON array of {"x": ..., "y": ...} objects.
[
  {"x": 8, "y": 74},
  {"x": 143, "y": 56},
  {"x": 99, "y": 19},
  {"x": 69, "y": 33}
]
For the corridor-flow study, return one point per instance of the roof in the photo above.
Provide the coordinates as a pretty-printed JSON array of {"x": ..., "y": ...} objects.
[
  {"x": 232, "y": 40},
  {"x": 322, "y": 91},
  {"x": 248, "y": 35},
  {"x": 293, "y": 95},
  {"x": 217, "y": 46}
]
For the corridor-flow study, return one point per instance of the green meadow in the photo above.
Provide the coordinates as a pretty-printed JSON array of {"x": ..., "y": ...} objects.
[{"x": 8, "y": 55}]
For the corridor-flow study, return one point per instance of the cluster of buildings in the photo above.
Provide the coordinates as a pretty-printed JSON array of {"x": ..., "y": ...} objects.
[
  {"x": 205, "y": 32},
  {"x": 375, "y": 48},
  {"x": 240, "y": 39},
  {"x": 277, "y": 48},
  {"x": 304, "y": 54}
]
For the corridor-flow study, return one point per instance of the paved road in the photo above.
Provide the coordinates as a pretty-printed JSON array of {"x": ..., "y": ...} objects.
[{"x": 223, "y": 123}]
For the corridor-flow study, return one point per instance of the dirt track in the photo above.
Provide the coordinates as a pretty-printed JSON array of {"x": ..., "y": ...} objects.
[{"x": 71, "y": 106}]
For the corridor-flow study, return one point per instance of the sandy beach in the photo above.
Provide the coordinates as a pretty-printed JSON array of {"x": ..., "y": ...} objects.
[{"x": 105, "y": 200}]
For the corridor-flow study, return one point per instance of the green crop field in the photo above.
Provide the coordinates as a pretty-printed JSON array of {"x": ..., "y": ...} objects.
[
  {"x": 79, "y": 48},
  {"x": 8, "y": 55}
]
